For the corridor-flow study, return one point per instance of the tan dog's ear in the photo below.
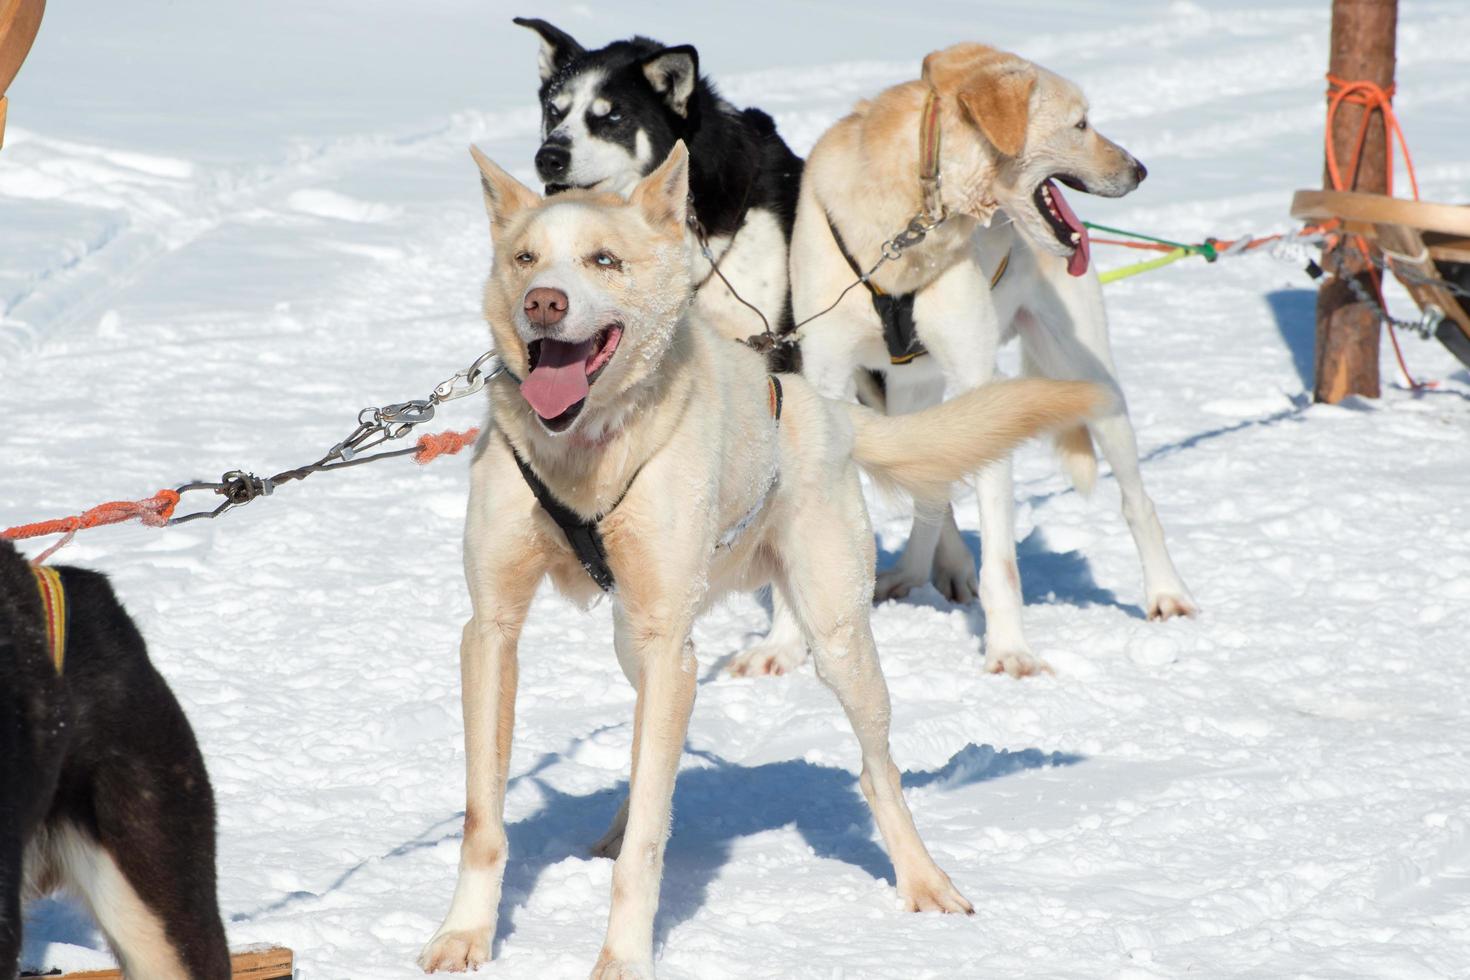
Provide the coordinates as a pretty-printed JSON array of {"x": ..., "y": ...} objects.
[
  {"x": 504, "y": 195},
  {"x": 992, "y": 87},
  {"x": 663, "y": 195}
]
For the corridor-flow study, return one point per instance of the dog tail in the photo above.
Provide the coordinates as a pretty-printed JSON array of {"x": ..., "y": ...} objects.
[
  {"x": 922, "y": 453},
  {"x": 1079, "y": 461}
]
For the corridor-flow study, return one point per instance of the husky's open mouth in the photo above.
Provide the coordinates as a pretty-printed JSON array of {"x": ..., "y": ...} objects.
[
  {"x": 1063, "y": 221},
  {"x": 563, "y": 373}
]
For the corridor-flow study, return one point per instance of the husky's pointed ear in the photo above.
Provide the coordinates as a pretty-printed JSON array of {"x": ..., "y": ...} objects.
[
  {"x": 663, "y": 196},
  {"x": 672, "y": 73},
  {"x": 993, "y": 88},
  {"x": 504, "y": 195},
  {"x": 558, "y": 47}
]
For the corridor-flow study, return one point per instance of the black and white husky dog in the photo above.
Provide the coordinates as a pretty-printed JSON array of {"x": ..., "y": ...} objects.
[
  {"x": 103, "y": 791},
  {"x": 611, "y": 115}
]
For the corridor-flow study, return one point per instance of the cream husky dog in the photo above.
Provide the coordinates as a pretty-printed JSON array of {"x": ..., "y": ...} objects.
[
  {"x": 1011, "y": 259},
  {"x": 702, "y": 475}
]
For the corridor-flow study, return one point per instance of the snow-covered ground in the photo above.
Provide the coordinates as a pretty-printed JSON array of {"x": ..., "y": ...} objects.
[{"x": 225, "y": 228}]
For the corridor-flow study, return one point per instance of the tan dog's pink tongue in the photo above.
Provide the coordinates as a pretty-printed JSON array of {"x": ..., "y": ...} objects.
[
  {"x": 559, "y": 379},
  {"x": 1082, "y": 255}
]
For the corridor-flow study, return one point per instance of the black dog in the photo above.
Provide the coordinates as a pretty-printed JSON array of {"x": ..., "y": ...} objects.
[
  {"x": 610, "y": 116},
  {"x": 102, "y": 787}
]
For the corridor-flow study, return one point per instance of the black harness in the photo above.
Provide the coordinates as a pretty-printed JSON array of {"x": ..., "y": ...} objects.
[
  {"x": 896, "y": 313},
  {"x": 584, "y": 535}
]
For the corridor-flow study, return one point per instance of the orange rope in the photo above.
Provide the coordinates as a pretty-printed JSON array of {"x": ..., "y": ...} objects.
[
  {"x": 1374, "y": 98},
  {"x": 446, "y": 443},
  {"x": 156, "y": 510},
  {"x": 153, "y": 511}
]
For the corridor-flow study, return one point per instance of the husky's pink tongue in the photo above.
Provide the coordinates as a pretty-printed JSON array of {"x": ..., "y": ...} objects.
[
  {"x": 1077, "y": 264},
  {"x": 559, "y": 379}
]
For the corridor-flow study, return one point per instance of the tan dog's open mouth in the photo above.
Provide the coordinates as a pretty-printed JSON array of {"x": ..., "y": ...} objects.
[
  {"x": 563, "y": 373},
  {"x": 1064, "y": 223}
]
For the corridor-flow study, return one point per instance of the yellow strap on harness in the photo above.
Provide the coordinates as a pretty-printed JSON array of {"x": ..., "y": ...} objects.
[
  {"x": 1000, "y": 270},
  {"x": 53, "y": 601}
]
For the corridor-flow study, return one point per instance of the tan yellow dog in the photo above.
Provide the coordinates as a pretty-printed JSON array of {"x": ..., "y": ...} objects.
[{"x": 702, "y": 476}]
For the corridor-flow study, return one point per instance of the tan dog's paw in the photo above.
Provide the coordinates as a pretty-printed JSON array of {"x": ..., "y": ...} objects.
[
  {"x": 768, "y": 660},
  {"x": 608, "y": 968},
  {"x": 1017, "y": 663},
  {"x": 954, "y": 571},
  {"x": 935, "y": 895},
  {"x": 896, "y": 583},
  {"x": 1167, "y": 605},
  {"x": 456, "y": 952},
  {"x": 956, "y": 584}
]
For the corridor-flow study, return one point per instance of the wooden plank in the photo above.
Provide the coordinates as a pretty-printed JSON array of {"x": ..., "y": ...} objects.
[
  {"x": 1448, "y": 248},
  {"x": 1370, "y": 209},
  {"x": 254, "y": 963},
  {"x": 1407, "y": 250}
]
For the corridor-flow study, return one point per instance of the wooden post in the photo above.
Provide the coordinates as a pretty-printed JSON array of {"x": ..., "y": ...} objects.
[
  {"x": 1364, "y": 36},
  {"x": 19, "y": 21}
]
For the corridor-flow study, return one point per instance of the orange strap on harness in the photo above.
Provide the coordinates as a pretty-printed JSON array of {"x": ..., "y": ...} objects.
[{"x": 53, "y": 601}]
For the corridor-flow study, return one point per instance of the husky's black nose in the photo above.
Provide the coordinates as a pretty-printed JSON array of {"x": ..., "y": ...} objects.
[
  {"x": 552, "y": 161},
  {"x": 1139, "y": 170}
]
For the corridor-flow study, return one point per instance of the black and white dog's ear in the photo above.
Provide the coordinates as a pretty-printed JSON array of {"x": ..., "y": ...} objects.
[
  {"x": 558, "y": 47},
  {"x": 672, "y": 73}
]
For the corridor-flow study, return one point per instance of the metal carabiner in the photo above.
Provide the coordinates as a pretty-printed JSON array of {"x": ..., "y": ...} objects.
[
  {"x": 470, "y": 380},
  {"x": 398, "y": 419}
]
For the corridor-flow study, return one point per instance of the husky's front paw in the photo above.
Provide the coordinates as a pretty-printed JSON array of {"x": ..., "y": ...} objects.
[
  {"x": 1167, "y": 605},
  {"x": 456, "y": 952},
  {"x": 609, "y": 968},
  {"x": 935, "y": 894},
  {"x": 1017, "y": 663},
  {"x": 768, "y": 659}
]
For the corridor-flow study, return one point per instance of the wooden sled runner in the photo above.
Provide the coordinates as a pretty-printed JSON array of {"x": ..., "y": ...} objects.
[
  {"x": 1430, "y": 241},
  {"x": 19, "y": 21},
  {"x": 255, "y": 963}
]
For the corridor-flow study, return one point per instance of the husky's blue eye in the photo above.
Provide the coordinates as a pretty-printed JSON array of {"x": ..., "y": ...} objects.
[
  {"x": 607, "y": 260},
  {"x": 525, "y": 258},
  {"x": 614, "y": 116}
]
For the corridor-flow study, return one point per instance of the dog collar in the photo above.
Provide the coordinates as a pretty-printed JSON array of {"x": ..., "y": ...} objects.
[
  {"x": 53, "y": 602},
  {"x": 929, "y": 178}
]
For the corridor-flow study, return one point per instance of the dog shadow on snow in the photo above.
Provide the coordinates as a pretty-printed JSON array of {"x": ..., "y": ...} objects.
[
  {"x": 718, "y": 803},
  {"x": 1047, "y": 576}
]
